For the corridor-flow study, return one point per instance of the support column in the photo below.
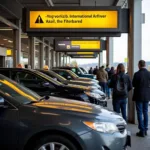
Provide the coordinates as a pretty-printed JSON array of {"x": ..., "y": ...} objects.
[
  {"x": 60, "y": 63},
  {"x": 31, "y": 54},
  {"x": 66, "y": 60},
  {"x": 57, "y": 59},
  {"x": 109, "y": 51},
  {"x": 63, "y": 59},
  {"x": 134, "y": 48},
  {"x": 47, "y": 55},
  {"x": 100, "y": 59},
  {"x": 17, "y": 44},
  {"x": 52, "y": 58},
  {"x": 42, "y": 54}
]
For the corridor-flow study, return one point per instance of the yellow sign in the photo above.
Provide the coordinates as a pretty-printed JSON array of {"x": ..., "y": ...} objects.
[
  {"x": 74, "y": 19},
  {"x": 9, "y": 52},
  {"x": 85, "y": 53},
  {"x": 87, "y": 56},
  {"x": 126, "y": 60},
  {"x": 87, "y": 44}
]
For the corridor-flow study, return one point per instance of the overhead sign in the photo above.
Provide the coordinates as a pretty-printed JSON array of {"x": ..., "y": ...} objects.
[
  {"x": 73, "y": 19},
  {"x": 79, "y": 45},
  {"x": 9, "y": 52},
  {"x": 84, "y": 56},
  {"x": 80, "y": 53}
]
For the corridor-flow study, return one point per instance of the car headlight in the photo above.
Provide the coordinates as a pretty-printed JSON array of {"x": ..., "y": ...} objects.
[
  {"x": 105, "y": 127},
  {"x": 94, "y": 95}
]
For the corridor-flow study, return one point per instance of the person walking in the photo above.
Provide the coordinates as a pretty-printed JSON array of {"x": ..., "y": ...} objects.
[
  {"x": 107, "y": 69},
  {"x": 111, "y": 73},
  {"x": 121, "y": 85},
  {"x": 141, "y": 96},
  {"x": 102, "y": 77},
  {"x": 91, "y": 71},
  {"x": 95, "y": 70}
]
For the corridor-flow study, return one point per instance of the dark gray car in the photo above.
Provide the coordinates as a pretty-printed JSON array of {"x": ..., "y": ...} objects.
[
  {"x": 69, "y": 75},
  {"x": 65, "y": 81},
  {"x": 29, "y": 122}
]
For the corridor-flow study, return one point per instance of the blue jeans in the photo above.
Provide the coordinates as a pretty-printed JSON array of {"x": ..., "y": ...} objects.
[
  {"x": 120, "y": 105},
  {"x": 103, "y": 86},
  {"x": 108, "y": 90},
  {"x": 142, "y": 114}
]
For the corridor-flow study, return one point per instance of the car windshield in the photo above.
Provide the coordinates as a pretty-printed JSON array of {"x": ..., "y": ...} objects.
[
  {"x": 57, "y": 75},
  {"x": 73, "y": 74},
  {"x": 84, "y": 71},
  {"x": 81, "y": 70},
  {"x": 16, "y": 91},
  {"x": 48, "y": 78}
]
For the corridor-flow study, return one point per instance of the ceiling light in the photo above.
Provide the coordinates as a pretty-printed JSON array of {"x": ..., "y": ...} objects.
[
  {"x": 10, "y": 41},
  {"x": 5, "y": 39},
  {"x": 27, "y": 47}
]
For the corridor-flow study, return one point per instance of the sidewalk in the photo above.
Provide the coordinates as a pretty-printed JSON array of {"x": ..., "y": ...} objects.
[{"x": 137, "y": 142}]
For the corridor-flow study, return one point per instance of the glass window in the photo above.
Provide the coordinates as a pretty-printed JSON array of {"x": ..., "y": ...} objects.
[
  {"x": 74, "y": 70},
  {"x": 16, "y": 91},
  {"x": 5, "y": 73},
  {"x": 64, "y": 74}
]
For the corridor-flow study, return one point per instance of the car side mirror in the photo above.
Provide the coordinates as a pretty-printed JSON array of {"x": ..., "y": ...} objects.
[
  {"x": 69, "y": 77},
  {"x": 46, "y": 84},
  {"x": 2, "y": 102},
  {"x": 79, "y": 72}
]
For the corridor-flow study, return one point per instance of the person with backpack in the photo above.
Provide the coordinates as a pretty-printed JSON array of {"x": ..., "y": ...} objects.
[
  {"x": 121, "y": 85},
  {"x": 141, "y": 96}
]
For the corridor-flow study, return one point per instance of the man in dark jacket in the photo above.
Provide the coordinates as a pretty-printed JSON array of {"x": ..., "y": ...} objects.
[{"x": 141, "y": 96}]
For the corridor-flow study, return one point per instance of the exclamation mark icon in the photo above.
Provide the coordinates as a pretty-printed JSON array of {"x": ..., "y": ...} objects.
[{"x": 39, "y": 20}]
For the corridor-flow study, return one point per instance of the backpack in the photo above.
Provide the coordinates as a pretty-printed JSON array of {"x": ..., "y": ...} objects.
[{"x": 121, "y": 87}]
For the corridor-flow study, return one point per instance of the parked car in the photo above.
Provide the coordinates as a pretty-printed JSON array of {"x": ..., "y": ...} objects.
[
  {"x": 84, "y": 70},
  {"x": 69, "y": 75},
  {"x": 45, "y": 85},
  {"x": 29, "y": 122},
  {"x": 61, "y": 79},
  {"x": 78, "y": 72}
]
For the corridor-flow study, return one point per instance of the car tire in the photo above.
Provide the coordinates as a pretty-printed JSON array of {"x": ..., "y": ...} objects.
[{"x": 57, "y": 140}]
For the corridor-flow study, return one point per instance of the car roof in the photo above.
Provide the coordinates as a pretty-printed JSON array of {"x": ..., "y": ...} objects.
[
  {"x": 60, "y": 69},
  {"x": 15, "y": 69}
]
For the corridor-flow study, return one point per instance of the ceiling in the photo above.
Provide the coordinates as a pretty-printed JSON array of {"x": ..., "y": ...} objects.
[{"x": 12, "y": 11}]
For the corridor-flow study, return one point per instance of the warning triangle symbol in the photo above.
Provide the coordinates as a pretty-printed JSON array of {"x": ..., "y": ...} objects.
[{"x": 39, "y": 20}]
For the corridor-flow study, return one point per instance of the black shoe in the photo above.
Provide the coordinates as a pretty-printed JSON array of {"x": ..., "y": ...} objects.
[
  {"x": 140, "y": 134},
  {"x": 146, "y": 133}
]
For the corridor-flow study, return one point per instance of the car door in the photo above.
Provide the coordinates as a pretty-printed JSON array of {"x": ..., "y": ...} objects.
[
  {"x": 9, "y": 125},
  {"x": 32, "y": 81}
]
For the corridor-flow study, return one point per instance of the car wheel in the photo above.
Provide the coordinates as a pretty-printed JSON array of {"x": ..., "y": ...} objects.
[{"x": 54, "y": 142}]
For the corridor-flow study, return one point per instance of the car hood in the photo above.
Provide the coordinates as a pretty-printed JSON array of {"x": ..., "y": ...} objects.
[
  {"x": 84, "y": 88},
  {"x": 82, "y": 82},
  {"x": 80, "y": 108},
  {"x": 87, "y": 79}
]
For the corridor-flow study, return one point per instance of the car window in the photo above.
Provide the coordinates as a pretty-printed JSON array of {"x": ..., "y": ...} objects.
[
  {"x": 63, "y": 74},
  {"x": 23, "y": 76},
  {"x": 74, "y": 70},
  {"x": 16, "y": 91},
  {"x": 5, "y": 73}
]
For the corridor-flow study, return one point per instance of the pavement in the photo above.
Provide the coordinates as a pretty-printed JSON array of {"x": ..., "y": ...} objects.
[{"x": 138, "y": 143}]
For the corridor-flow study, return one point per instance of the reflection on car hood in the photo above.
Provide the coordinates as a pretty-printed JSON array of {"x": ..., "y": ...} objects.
[
  {"x": 84, "y": 82},
  {"x": 79, "y": 86},
  {"x": 95, "y": 111}
]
